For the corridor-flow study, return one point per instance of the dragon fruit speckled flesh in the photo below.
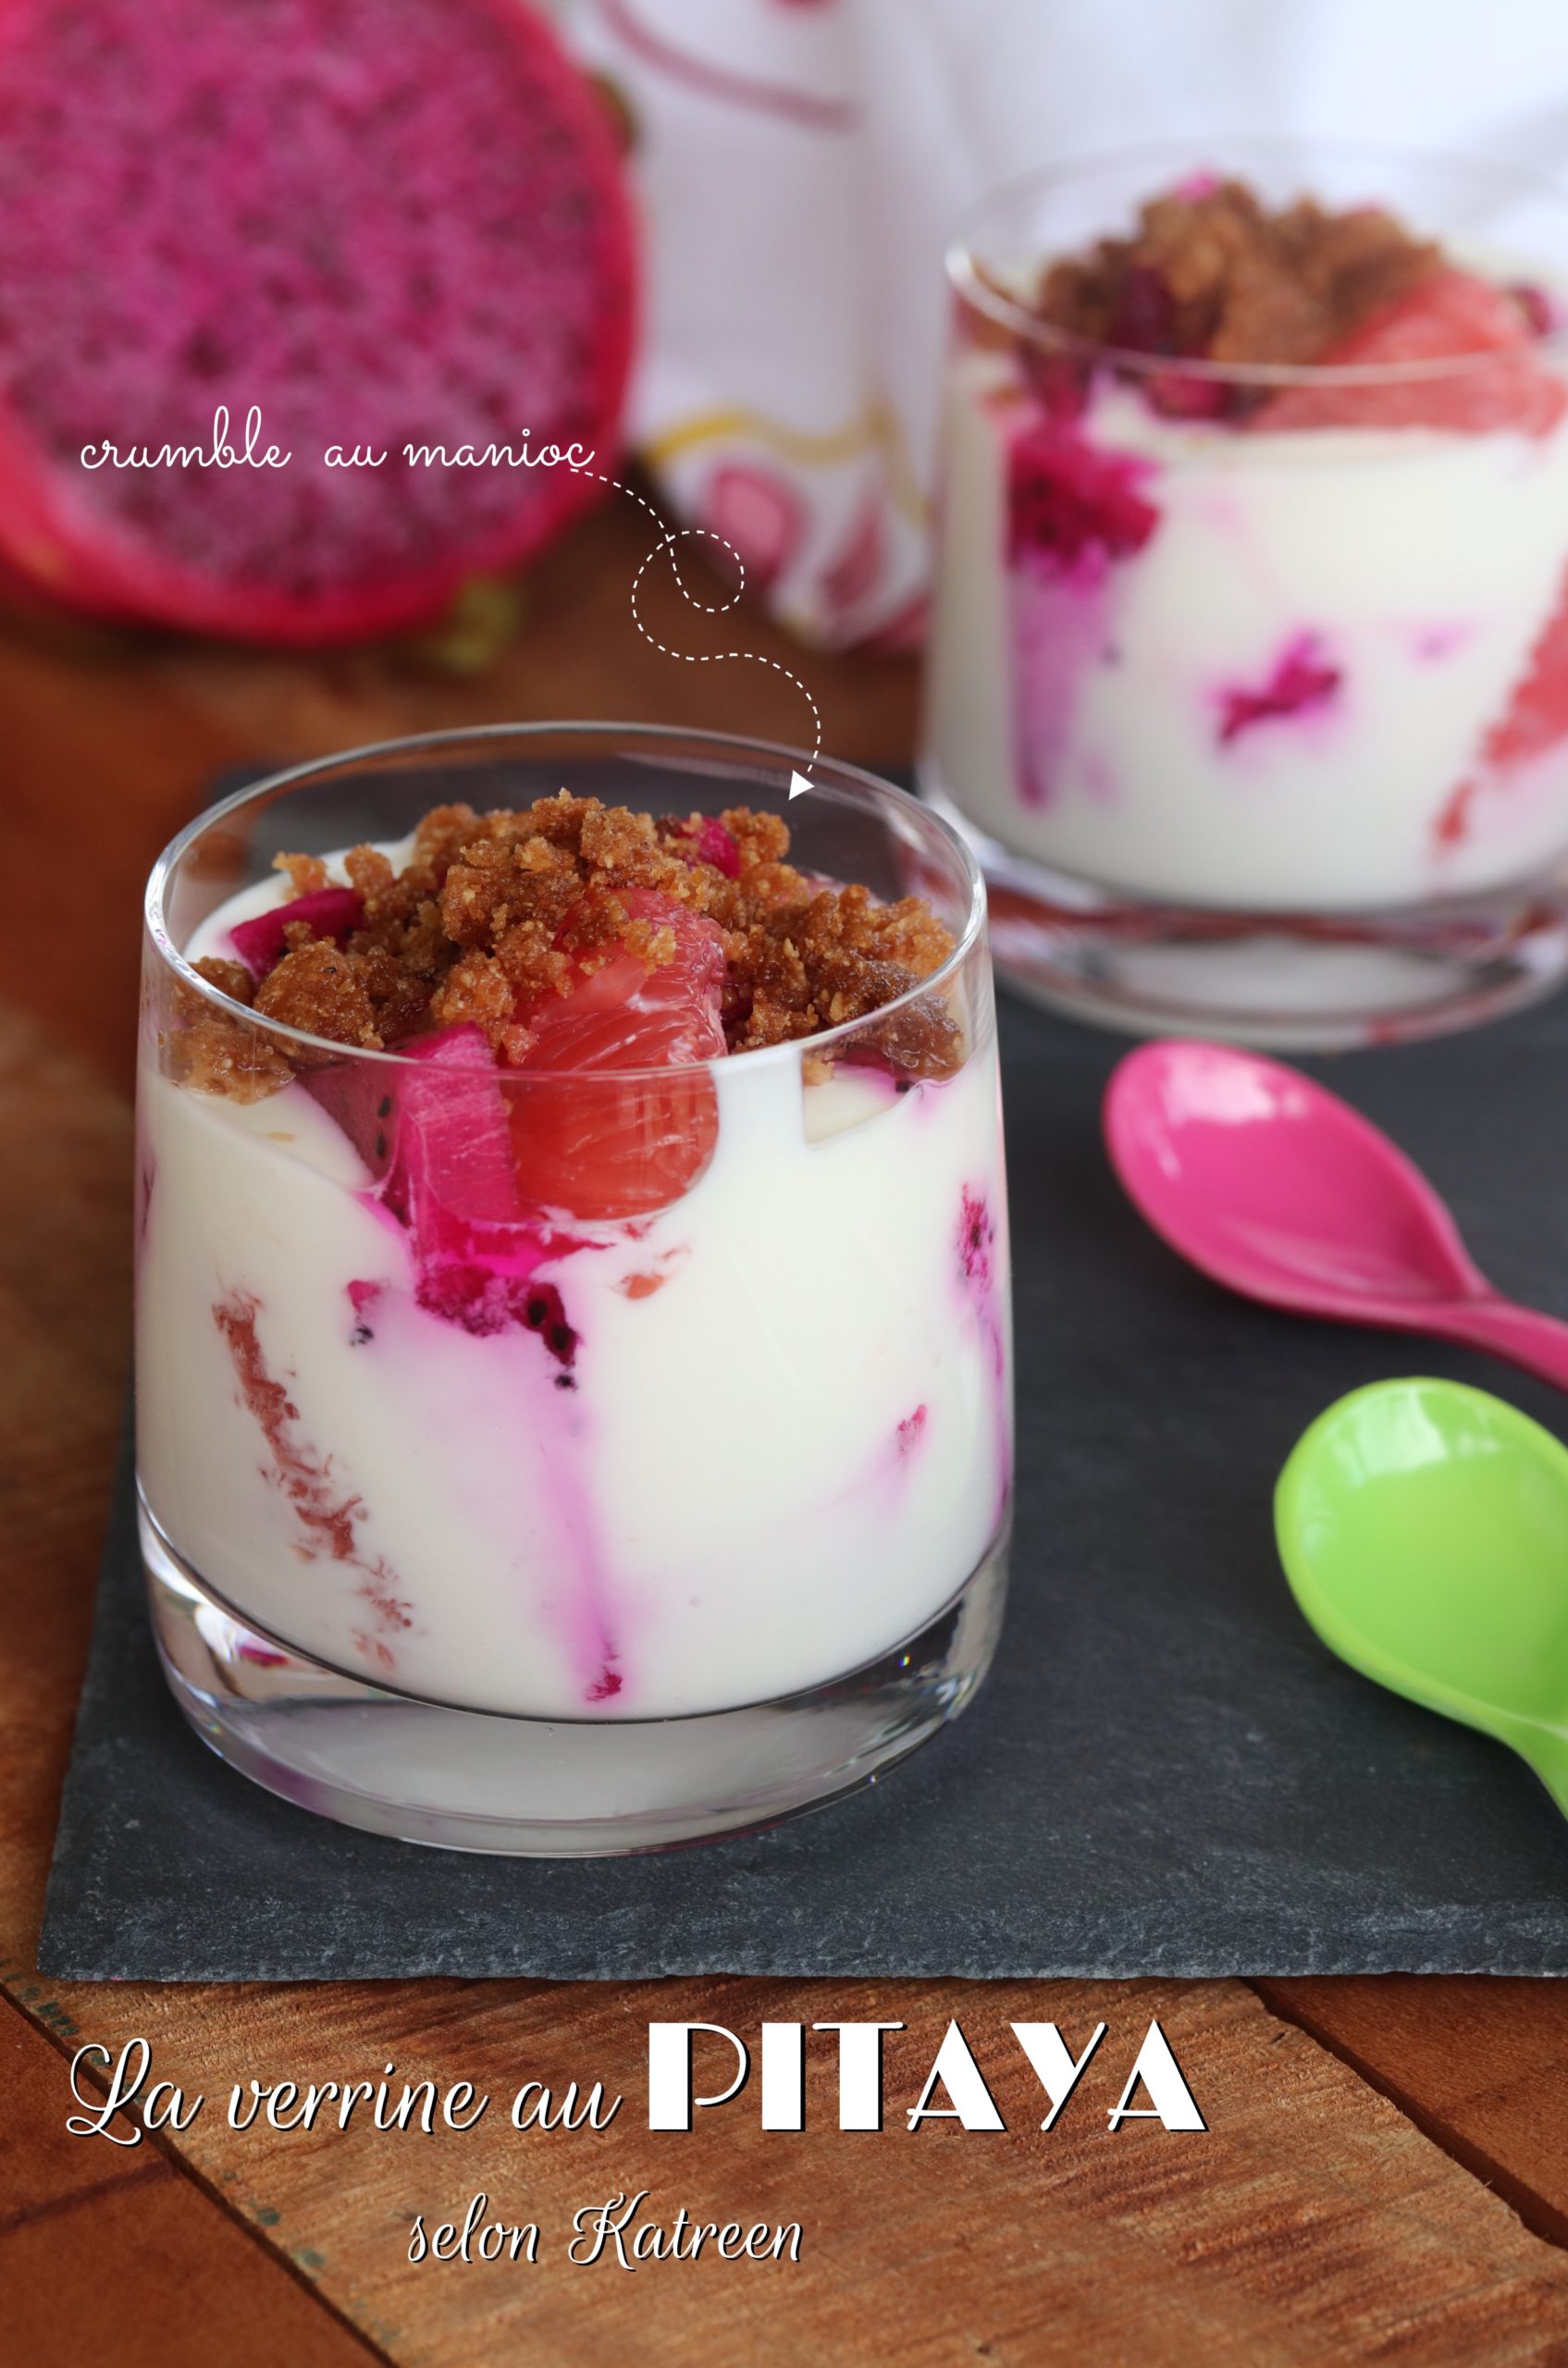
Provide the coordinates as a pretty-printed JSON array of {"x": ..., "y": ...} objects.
[{"x": 371, "y": 224}]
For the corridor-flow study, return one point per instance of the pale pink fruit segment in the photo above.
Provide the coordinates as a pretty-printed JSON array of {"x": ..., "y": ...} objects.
[
  {"x": 600, "y": 1133},
  {"x": 1498, "y": 379}
]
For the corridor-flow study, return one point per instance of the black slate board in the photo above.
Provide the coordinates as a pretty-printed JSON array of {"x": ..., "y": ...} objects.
[{"x": 1165, "y": 1774}]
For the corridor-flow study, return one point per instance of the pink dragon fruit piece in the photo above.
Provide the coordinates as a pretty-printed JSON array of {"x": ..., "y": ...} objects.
[
  {"x": 378, "y": 224},
  {"x": 716, "y": 846},
  {"x": 1066, "y": 497},
  {"x": 361, "y": 1097},
  {"x": 331, "y": 912},
  {"x": 437, "y": 1137},
  {"x": 453, "y": 1184},
  {"x": 451, "y": 1170},
  {"x": 1146, "y": 317},
  {"x": 1075, "y": 510},
  {"x": 707, "y": 841},
  {"x": 1303, "y": 680}
]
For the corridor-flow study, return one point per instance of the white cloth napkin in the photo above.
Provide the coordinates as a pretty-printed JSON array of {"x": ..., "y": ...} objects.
[{"x": 801, "y": 162}]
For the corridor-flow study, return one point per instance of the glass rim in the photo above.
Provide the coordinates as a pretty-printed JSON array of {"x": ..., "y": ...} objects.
[
  {"x": 853, "y": 781},
  {"x": 967, "y": 275}
]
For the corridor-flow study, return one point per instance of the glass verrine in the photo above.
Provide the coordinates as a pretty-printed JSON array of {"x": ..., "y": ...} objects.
[
  {"x": 1249, "y": 682},
  {"x": 471, "y": 1519}
]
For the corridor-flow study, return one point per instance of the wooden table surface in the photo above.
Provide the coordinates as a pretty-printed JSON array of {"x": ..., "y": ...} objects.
[{"x": 1385, "y": 2175}]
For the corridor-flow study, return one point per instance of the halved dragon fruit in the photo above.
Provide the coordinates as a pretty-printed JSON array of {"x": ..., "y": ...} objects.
[{"x": 381, "y": 222}]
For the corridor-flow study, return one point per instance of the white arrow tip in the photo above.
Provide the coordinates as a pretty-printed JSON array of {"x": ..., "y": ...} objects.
[{"x": 799, "y": 784}]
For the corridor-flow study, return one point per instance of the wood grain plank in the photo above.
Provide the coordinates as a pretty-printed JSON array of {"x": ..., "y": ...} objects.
[
  {"x": 42, "y": 2169},
  {"x": 1313, "y": 2223},
  {"x": 153, "y": 2271},
  {"x": 1476, "y": 2063},
  {"x": 65, "y": 1283},
  {"x": 115, "y": 2253}
]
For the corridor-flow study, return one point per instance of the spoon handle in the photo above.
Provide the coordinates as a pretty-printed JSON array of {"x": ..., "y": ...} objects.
[{"x": 1522, "y": 1334}]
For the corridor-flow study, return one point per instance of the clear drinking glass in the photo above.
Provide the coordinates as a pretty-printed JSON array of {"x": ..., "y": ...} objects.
[
  {"x": 1249, "y": 684},
  {"x": 471, "y": 1520}
]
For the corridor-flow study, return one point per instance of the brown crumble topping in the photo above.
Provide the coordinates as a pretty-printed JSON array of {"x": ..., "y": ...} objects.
[
  {"x": 220, "y": 1055},
  {"x": 321, "y": 990},
  {"x": 231, "y": 978},
  {"x": 1212, "y": 274},
  {"x": 492, "y": 911},
  {"x": 306, "y": 872}
]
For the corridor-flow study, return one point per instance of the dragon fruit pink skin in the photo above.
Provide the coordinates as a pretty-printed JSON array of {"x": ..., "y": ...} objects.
[{"x": 383, "y": 222}]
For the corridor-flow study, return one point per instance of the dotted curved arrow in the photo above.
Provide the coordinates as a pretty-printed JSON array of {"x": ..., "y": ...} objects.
[{"x": 669, "y": 536}]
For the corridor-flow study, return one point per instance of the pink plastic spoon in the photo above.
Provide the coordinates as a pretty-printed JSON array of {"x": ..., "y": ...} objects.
[{"x": 1274, "y": 1187}]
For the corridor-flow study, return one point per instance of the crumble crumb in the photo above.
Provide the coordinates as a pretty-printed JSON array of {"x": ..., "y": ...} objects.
[
  {"x": 1212, "y": 274},
  {"x": 493, "y": 911},
  {"x": 307, "y": 873},
  {"x": 231, "y": 978},
  {"x": 215, "y": 1052},
  {"x": 320, "y": 990}
]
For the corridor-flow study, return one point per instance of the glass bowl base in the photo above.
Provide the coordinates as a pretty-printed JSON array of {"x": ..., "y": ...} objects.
[
  {"x": 1288, "y": 981},
  {"x": 526, "y": 1787}
]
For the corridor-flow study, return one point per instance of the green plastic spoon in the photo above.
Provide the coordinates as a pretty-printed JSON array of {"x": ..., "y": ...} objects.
[{"x": 1423, "y": 1529}]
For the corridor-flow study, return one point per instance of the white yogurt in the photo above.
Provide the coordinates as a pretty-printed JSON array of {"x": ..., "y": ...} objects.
[
  {"x": 773, "y": 1466},
  {"x": 1081, "y": 719}
]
